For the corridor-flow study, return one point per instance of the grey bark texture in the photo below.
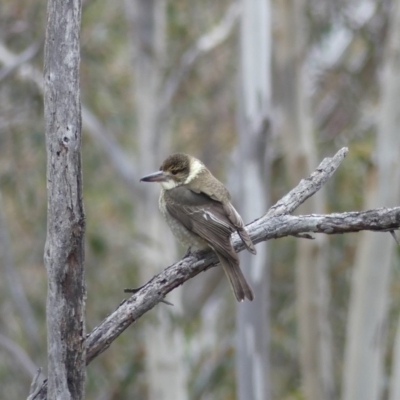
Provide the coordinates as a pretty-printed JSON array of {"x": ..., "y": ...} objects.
[
  {"x": 64, "y": 250},
  {"x": 274, "y": 224}
]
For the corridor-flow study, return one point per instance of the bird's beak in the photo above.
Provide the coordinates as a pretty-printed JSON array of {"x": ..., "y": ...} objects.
[{"x": 158, "y": 176}]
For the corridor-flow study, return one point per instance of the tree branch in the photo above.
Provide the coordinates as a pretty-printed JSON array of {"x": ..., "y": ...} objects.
[
  {"x": 91, "y": 122},
  {"x": 34, "y": 385},
  {"x": 307, "y": 187},
  {"x": 203, "y": 45},
  {"x": 19, "y": 355},
  {"x": 261, "y": 230},
  {"x": 122, "y": 163},
  {"x": 22, "y": 58},
  {"x": 275, "y": 224}
]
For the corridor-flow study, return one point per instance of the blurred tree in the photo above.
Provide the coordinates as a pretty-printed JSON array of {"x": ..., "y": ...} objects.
[
  {"x": 295, "y": 125},
  {"x": 14, "y": 284},
  {"x": 253, "y": 168},
  {"x": 166, "y": 378},
  {"x": 363, "y": 370}
]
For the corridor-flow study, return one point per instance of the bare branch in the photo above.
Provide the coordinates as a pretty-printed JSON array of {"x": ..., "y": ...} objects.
[
  {"x": 119, "y": 158},
  {"x": 203, "y": 45},
  {"x": 25, "y": 70},
  {"x": 97, "y": 130},
  {"x": 34, "y": 389},
  {"x": 22, "y": 58},
  {"x": 19, "y": 355},
  {"x": 307, "y": 187},
  {"x": 378, "y": 220},
  {"x": 261, "y": 230},
  {"x": 91, "y": 123},
  {"x": 265, "y": 228}
]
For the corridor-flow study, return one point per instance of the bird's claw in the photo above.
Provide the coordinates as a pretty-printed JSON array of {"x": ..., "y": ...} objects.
[{"x": 188, "y": 252}]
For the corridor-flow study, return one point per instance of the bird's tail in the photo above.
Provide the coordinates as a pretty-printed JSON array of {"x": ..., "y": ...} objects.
[
  {"x": 238, "y": 282},
  {"x": 244, "y": 235}
]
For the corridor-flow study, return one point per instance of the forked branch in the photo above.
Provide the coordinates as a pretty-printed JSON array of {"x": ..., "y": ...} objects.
[{"x": 276, "y": 223}]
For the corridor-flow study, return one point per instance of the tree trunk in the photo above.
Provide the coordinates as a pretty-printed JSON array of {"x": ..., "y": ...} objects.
[
  {"x": 64, "y": 251},
  {"x": 164, "y": 349},
  {"x": 293, "y": 108},
  {"x": 366, "y": 330},
  {"x": 254, "y": 108}
]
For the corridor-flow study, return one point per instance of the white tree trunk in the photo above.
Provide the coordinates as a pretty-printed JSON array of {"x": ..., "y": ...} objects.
[
  {"x": 295, "y": 125},
  {"x": 165, "y": 371},
  {"x": 254, "y": 109},
  {"x": 366, "y": 330}
]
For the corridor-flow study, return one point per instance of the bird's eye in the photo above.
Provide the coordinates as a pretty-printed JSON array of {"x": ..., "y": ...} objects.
[{"x": 174, "y": 171}]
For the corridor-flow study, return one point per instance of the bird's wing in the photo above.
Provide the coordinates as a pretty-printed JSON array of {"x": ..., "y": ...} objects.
[
  {"x": 211, "y": 187},
  {"x": 215, "y": 190},
  {"x": 203, "y": 216},
  {"x": 208, "y": 218}
]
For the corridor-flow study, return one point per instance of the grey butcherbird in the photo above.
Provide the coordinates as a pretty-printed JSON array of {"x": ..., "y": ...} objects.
[{"x": 198, "y": 210}]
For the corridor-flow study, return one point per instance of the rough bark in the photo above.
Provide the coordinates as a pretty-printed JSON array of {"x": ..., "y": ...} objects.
[
  {"x": 64, "y": 250},
  {"x": 252, "y": 356},
  {"x": 363, "y": 376},
  {"x": 274, "y": 224},
  {"x": 300, "y": 149}
]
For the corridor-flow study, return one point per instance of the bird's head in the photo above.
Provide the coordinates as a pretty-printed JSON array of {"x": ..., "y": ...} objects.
[{"x": 178, "y": 169}]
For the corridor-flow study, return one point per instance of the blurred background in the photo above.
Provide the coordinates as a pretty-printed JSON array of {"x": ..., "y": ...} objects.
[{"x": 261, "y": 92}]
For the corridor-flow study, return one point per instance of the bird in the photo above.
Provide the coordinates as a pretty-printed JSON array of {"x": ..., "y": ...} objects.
[{"x": 198, "y": 209}]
